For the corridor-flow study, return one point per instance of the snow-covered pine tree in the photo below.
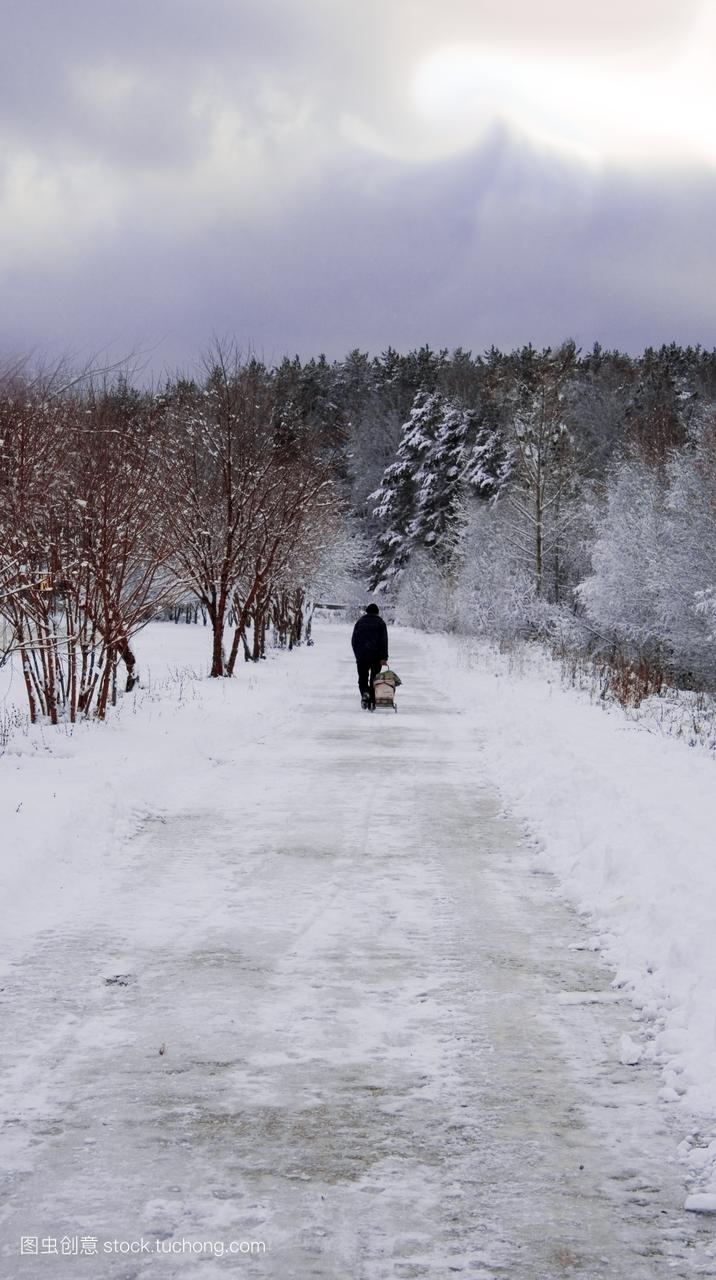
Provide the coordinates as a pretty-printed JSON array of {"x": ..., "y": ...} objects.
[
  {"x": 485, "y": 460},
  {"x": 440, "y": 481},
  {"x": 396, "y": 498}
]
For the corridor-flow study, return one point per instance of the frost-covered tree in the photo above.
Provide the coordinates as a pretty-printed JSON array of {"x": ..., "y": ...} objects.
[
  {"x": 425, "y": 596},
  {"x": 397, "y": 498},
  {"x": 495, "y": 596},
  {"x": 654, "y": 560},
  {"x": 441, "y": 482},
  {"x": 621, "y": 596},
  {"x": 443, "y": 454},
  {"x": 540, "y": 471},
  {"x": 687, "y": 557},
  {"x": 487, "y": 594}
]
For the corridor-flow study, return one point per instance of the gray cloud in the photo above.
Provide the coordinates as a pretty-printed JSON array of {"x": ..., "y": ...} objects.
[{"x": 179, "y": 169}]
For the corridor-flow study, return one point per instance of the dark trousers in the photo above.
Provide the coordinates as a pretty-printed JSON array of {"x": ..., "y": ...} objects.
[{"x": 368, "y": 669}]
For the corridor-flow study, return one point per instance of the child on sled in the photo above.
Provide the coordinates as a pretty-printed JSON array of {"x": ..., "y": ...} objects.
[{"x": 384, "y": 686}]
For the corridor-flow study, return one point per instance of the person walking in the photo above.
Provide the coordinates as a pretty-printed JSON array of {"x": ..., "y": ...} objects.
[{"x": 370, "y": 647}]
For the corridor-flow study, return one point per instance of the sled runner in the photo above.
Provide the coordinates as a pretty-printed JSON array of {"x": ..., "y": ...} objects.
[{"x": 384, "y": 687}]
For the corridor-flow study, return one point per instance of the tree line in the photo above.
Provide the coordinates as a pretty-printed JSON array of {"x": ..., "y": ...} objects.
[
  {"x": 116, "y": 502},
  {"x": 549, "y": 493},
  {"x": 560, "y": 495}
]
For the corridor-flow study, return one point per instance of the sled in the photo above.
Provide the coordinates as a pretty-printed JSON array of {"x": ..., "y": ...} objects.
[{"x": 384, "y": 687}]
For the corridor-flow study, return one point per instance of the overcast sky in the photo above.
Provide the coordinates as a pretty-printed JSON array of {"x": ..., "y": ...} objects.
[{"x": 318, "y": 175}]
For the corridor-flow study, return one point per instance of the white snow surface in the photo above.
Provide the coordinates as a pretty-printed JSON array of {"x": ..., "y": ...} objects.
[
  {"x": 626, "y": 819},
  {"x": 275, "y": 969}
]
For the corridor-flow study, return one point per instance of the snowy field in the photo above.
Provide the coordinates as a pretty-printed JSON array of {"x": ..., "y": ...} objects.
[{"x": 278, "y": 972}]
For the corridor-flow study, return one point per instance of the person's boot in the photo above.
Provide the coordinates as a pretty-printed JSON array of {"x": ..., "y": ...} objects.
[{"x": 365, "y": 702}]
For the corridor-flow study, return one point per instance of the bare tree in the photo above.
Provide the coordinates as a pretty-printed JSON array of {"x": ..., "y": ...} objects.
[
  {"x": 216, "y": 481},
  {"x": 31, "y": 493},
  {"x": 297, "y": 501},
  {"x": 116, "y": 461},
  {"x": 239, "y": 497},
  {"x": 82, "y": 554}
]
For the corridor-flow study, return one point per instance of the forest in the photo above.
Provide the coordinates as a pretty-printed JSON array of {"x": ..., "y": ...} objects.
[
  {"x": 560, "y": 496},
  {"x": 545, "y": 495}
]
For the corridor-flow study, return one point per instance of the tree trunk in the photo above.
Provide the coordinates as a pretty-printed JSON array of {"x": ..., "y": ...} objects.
[
  {"x": 538, "y": 536},
  {"x": 71, "y": 664},
  {"x": 217, "y": 646},
  {"x": 242, "y": 617},
  {"x": 105, "y": 685},
  {"x": 26, "y": 674},
  {"x": 256, "y": 653},
  {"x": 126, "y": 654}
]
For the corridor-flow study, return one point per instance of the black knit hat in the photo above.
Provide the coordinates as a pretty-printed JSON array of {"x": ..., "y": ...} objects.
[{"x": 372, "y": 608}]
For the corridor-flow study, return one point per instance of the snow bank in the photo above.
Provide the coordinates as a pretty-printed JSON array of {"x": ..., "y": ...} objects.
[
  {"x": 70, "y": 796},
  {"x": 626, "y": 819}
]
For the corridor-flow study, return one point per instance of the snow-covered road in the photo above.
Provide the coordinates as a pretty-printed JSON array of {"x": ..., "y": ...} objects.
[{"x": 322, "y": 999}]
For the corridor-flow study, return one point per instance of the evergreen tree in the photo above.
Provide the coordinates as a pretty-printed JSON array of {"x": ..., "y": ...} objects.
[
  {"x": 440, "y": 481},
  {"x": 397, "y": 498}
]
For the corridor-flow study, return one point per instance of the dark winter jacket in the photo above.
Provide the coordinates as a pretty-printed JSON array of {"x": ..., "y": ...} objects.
[{"x": 370, "y": 638}]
